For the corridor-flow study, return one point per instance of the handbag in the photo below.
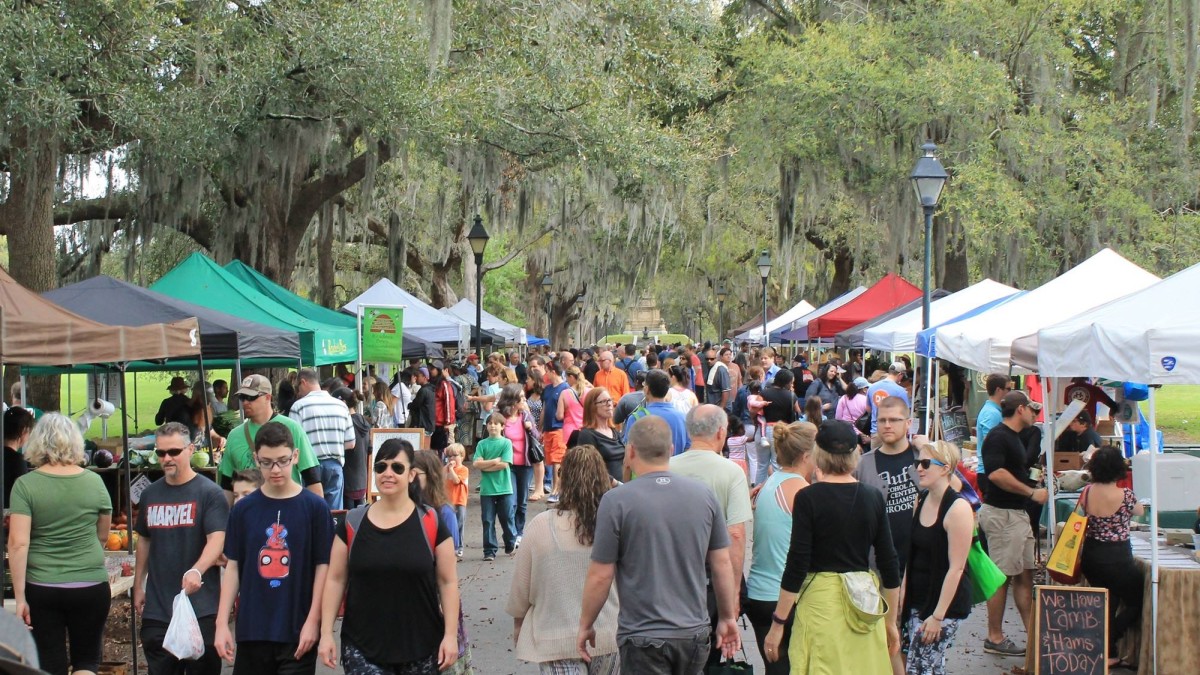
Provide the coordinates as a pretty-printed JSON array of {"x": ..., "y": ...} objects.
[
  {"x": 1063, "y": 564},
  {"x": 983, "y": 574},
  {"x": 534, "y": 450}
]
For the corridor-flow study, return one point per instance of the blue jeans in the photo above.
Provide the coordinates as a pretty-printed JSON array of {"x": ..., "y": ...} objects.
[
  {"x": 490, "y": 508},
  {"x": 522, "y": 476},
  {"x": 332, "y": 483},
  {"x": 548, "y": 483},
  {"x": 460, "y": 512}
]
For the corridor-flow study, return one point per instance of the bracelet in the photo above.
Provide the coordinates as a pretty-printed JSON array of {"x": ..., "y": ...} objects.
[
  {"x": 935, "y": 616},
  {"x": 197, "y": 574},
  {"x": 777, "y": 620}
]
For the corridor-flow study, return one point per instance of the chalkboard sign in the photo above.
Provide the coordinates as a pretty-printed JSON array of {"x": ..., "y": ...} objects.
[
  {"x": 954, "y": 427},
  {"x": 1070, "y": 630}
]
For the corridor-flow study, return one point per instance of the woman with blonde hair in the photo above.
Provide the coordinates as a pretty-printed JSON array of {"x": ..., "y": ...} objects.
[
  {"x": 546, "y": 596},
  {"x": 386, "y": 411},
  {"x": 842, "y": 623},
  {"x": 773, "y": 531},
  {"x": 937, "y": 594},
  {"x": 60, "y": 514}
]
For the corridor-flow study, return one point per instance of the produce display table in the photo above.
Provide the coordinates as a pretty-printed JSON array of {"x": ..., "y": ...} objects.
[{"x": 1178, "y": 610}]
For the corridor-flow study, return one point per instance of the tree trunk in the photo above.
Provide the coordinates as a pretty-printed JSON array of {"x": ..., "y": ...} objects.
[
  {"x": 843, "y": 268},
  {"x": 785, "y": 205},
  {"x": 325, "y": 255},
  {"x": 28, "y": 219},
  {"x": 442, "y": 293},
  {"x": 951, "y": 253}
]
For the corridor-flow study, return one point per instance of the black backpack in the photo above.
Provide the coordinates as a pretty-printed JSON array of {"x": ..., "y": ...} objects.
[{"x": 863, "y": 423}]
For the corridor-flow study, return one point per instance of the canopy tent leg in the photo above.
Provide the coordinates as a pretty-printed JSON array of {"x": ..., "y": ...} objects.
[
  {"x": 1153, "y": 532},
  {"x": 207, "y": 405},
  {"x": 136, "y": 426},
  {"x": 133, "y": 627},
  {"x": 928, "y": 391},
  {"x": 1050, "y": 387}
]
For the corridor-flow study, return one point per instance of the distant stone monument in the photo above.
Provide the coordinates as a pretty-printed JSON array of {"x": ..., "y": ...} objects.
[{"x": 644, "y": 318}]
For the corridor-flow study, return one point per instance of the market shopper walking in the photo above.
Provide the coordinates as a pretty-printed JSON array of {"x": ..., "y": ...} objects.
[
  {"x": 546, "y": 594},
  {"x": 181, "y": 529},
  {"x": 659, "y": 564},
  {"x": 598, "y": 430},
  {"x": 326, "y": 421},
  {"x": 400, "y": 586},
  {"x": 937, "y": 593},
  {"x": 60, "y": 514},
  {"x": 519, "y": 428},
  {"x": 773, "y": 533},
  {"x": 841, "y": 624}
]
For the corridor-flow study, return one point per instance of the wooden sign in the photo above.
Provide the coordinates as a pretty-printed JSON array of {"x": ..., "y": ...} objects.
[
  {"x": 954, "y": 427},
  {"x": 416, "y": 437},
  {"x": 1070, "y": 625}
]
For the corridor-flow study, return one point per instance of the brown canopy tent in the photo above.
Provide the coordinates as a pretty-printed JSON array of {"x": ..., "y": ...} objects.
[{"x": 37, "y": 332}]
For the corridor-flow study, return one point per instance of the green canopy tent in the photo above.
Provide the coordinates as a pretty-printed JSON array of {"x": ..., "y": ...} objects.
[{"x": 200, "y": 280}]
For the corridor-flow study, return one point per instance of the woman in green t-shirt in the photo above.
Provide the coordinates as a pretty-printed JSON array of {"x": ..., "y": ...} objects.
[{"x": 60, "y": 514}]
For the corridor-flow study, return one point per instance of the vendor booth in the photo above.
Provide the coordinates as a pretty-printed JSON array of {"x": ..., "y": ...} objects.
[
  {"x": 421, "y": 319},
  {"x": 797, "y": 331},
  {"x": 887, "y": 294},
  {"x": 1151, "y": 336},
  {"x": 464, "y": 310},
  {"x": 780, "y": 322},
  {"x": 855, "y": 336},
  {"x": 899, "y": 334}
]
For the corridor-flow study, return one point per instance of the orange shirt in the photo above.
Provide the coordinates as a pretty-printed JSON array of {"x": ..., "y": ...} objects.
[
  {"x": 615, "y": 381},
  {"x": 457, "y": 493}
]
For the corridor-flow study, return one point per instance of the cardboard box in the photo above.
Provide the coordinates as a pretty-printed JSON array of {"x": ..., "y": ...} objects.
[
  {"x": 1067, "y": 461},
  {"x": 1106, "y": 427}
]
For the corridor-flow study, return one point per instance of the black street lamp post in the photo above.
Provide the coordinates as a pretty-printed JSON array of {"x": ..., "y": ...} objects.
[
  {"x": 928, "y": 179},
  {"x": 721, "y": 295},
  {"x": 579, "y": 321},
  {"x": 764, "y": 270},
  {"x": 478, "y": 237}
]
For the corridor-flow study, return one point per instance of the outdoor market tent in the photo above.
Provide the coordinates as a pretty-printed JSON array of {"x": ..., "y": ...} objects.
[
  {"x": 798, "y": 332},
  {"x": 413, "y": 346},
  {"x": 201, "y": 281},
  {"x": 224, "y": 337},
  {"x": 420, "y": 318},
  {"x": 1151, "y": 336},
  {"x": 755, "y": 334},
  {"x": 926, "y": 342},
  {"x": 888, "y": 293},
  {"x": 35, "y": 331},
  {"x": 899, "y": 334},
  {"x": 754, "y": 321},
  {"x": 464, "y": 310},
  {"x": 853, "y": 337},
  {"x": 983, "y": 343}
]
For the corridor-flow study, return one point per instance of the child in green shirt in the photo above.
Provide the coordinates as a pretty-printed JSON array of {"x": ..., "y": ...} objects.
[{"x": 493, "y": 457}]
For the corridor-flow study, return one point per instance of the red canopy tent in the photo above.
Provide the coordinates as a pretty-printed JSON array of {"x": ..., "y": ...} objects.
[{"x": 887, "y": 294}]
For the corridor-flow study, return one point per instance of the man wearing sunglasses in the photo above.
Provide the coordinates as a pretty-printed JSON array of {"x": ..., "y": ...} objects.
[
  {"x": 181, "y": 529},
  {"x": 257, "y": 406}
]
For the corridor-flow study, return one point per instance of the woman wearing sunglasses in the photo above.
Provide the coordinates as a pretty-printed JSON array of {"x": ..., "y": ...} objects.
[
  {"x": 397, "y": 576},
  {"x": 937, "y": 595}
]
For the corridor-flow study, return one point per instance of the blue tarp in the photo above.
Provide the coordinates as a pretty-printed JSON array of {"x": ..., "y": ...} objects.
[{"x": 537, "y": 341}]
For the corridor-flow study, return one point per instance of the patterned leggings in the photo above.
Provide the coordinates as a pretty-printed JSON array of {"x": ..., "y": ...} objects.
[
  {"x": 354, "y": 662},
  {"x": 604, "y": 664},
  {"x": 928, "y": 659}
]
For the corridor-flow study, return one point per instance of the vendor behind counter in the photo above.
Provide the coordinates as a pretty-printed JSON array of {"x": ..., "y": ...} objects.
[{"x": 1079, "y": 436}]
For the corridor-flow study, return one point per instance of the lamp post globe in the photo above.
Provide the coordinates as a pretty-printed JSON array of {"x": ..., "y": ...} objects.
[{"x": 478, "y": 238}]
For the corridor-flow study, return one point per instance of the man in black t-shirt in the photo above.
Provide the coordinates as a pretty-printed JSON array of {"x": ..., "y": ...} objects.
[
  {"x": 1079, "y": 436},
  {"x": 1003, "y": 517},
  {"x": 781, "y": 408}
]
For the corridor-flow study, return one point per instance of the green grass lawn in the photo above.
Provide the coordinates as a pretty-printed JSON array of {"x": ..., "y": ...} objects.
[
  {"x": 1177, "y": 408},
  {"x": 151, "y": 390}
]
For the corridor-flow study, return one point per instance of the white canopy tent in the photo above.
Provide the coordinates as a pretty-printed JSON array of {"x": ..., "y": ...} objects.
[
  {"x": 899, "y": 334},
  {"x": 420, "y": 318},
  {"x": 983, "y": 342},
  {"x": 756, "y": 334},
  {"x": 1152, "y": 337},
  {"x": 797, "y": 330},
  {"x": 464, "y": 310}
]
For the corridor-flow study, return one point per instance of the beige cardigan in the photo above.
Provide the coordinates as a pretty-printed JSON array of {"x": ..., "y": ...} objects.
[{"x": 547, "y": 592}]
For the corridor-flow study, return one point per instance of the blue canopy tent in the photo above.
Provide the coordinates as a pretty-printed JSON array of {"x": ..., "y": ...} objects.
[{"x": 926, "y": 342}]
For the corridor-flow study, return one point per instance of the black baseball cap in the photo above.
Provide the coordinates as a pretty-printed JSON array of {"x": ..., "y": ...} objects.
[{"x": 837, "y": 437}]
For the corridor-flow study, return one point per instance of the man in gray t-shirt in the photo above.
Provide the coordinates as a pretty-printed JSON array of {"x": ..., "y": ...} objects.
[
  {"x": 659, "y": 563},
  {"x": 181, "y": 525}
]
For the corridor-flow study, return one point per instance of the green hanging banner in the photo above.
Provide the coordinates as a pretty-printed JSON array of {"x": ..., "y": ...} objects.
[{"x": 382, "y": 331}]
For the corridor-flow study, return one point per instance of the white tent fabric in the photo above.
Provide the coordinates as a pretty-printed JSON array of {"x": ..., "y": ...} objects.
[
  {"x": 900, "y": 333},
  {"x": 756, "y": 334},
  {"x": 1151, "y": 336},
  {"x": 984, "y": 342},
  {"x": 420, "y": 318},
  {"x": 464, "y": 310},
  {"x": 798, "y": 329}
]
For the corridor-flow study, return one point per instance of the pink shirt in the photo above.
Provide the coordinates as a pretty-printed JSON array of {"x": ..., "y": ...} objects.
[
  {"x": 850, "y": 409},
  {"x": 572, "y": 413},
  {"x": 514, "y": 430}
]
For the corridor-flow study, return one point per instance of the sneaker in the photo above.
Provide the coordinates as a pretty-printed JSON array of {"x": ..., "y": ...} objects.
[
  {"x": 511, "y": 551},
  {"x": 517, "y": 543},
  {"x": 459, "y": 553},
  {"x": 1004, "y": 648},
  {"x": 491, "y": 557},
  {"x": 552, "y": 499}
]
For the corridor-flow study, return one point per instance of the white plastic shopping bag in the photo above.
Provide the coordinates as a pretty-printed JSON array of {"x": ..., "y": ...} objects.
[{"x": 183, "y": 638}]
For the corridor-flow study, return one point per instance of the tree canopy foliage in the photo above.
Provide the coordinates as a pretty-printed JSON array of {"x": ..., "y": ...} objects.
[{"x": 626, "y": 147}]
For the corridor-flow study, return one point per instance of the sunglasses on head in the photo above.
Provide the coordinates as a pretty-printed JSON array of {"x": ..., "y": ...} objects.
[
  {"x": 174, "y": 452},
  {"x": 396, "y": 467},
  {"x": 924, "y": 463}
]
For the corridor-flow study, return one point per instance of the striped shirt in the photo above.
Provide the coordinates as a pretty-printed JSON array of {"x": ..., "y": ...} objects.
[{"x": 326, "y": 422}]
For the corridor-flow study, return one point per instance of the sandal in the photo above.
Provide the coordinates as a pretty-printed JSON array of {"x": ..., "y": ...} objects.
[{"x": 536, "y": 497}]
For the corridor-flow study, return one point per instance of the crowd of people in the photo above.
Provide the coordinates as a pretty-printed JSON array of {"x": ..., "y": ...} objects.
[{"x": 659, "y": 468}]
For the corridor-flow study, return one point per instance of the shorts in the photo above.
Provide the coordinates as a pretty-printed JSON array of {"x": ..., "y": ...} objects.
[
  {"x": 555, "y": 446},
  {"x": 1009, "y": 537}
]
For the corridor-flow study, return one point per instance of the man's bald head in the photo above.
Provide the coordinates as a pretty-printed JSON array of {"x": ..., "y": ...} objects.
[
  {"x": 705, "y": 422},
  {"x": 606, "y": 360}
]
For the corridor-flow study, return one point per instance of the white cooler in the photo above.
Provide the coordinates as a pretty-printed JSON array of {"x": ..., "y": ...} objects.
[{"x": 1178, "y": 481}]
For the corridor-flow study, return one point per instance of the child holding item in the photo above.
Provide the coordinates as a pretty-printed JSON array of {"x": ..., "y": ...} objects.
[{"x": 457, "y": 486}]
